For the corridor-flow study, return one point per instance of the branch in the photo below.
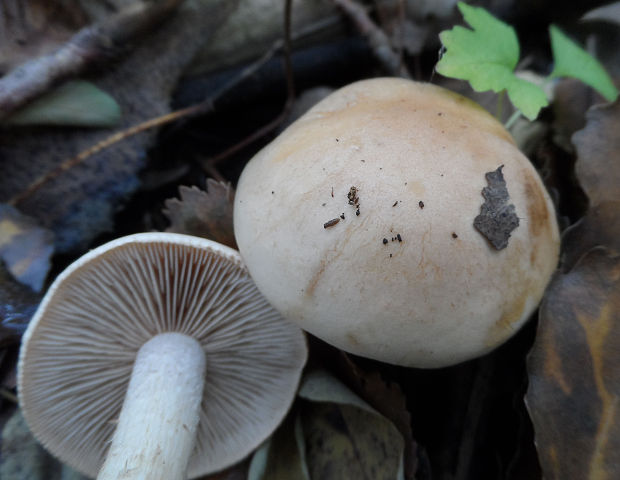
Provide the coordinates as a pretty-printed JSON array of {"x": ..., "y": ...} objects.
[
  {"x": 90, "y": 45},
  {"x": 378, "y": 40}
]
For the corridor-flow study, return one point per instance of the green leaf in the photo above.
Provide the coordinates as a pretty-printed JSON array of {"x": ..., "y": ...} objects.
[
  {"x": 75, "y": 103},
  {"x": 486, "y": 57},
  {"x": 573, "y": 61}
]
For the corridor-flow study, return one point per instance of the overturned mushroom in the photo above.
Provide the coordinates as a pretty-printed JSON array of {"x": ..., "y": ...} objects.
[
  {"x": 415, "y": 283},
  {"x": 162, "y": 345}
]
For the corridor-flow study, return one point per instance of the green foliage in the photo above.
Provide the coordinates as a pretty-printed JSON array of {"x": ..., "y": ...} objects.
[
  {"x": 573, "y": 61},
  {"x": 486, "y": 56}
]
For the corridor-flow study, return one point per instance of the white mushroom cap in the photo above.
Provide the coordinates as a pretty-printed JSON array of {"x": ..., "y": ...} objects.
[
  {"x": 409, "y": 280},
  {"x": 78, "y": 351}
]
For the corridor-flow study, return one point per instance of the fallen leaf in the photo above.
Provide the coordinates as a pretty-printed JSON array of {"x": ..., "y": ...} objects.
[
  {"x": 207, "y": 214},
  {"x": 22, "y": 458},
  {"x": 598, "y": 151},
  {"x": 574, "y": 388},
  {"x": 572, "y": 99},
  {"x": 35, "y": 27},
  {"x": 599, "y": 227},
  {"x": 25, "y": 247},
  {"x": 389, "y": 400},
  {"x": 606, "y": 13},
  {"x": 17, "y": 305},
  {"x": 345, "y": 438},
  {"x": 282, "y": 457},
  {"x": 80, "y": 203},
  {"x": 75, "y": 103}
]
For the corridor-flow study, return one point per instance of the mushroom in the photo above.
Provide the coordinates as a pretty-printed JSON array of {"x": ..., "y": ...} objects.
[
  {"x": 448, "y": 239},
  {"x": 161, "y": 344}
]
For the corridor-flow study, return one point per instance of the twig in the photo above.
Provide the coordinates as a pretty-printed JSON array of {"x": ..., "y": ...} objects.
[
  {"x": 90, "y": 45},
  {"x": 201, "y": 108},
  {"x": 8, "y": 395},
  {"x": 378, "y": 40},
  {"x": 105, "y": 143},
  {"x": 210, "y": 164}
]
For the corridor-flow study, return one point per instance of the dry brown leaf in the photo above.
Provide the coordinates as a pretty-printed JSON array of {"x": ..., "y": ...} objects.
[
  {"x": 571, "y": 99},
  {"x": 25, "y": 247},
  {"x": 599, "y": 227},
  {"x": 574, "y": 391},
  {"x": 207, "y": 214},
  {"x": 598, "y": 150}
]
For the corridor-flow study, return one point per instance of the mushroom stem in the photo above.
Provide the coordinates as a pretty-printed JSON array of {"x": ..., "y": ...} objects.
[{"x": 156, "y": 429}]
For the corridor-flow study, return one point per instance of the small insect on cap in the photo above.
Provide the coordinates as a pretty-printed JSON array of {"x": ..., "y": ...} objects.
[
  {"x": 106, "y": 310},
  {"x": 455, "y": 240}
]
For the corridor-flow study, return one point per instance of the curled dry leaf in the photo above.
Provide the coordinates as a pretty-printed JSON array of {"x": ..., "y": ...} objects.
[
  {"x": 345, "y": 438},
  {"x": 600, "y": 226},
  {"x": 574, "y": 390},
  {"x": 282, "y": 457},
  {"x": 573, "y": 369},
  {"x": 598, "y": 151},
  {"x": 25, "y": 247},
  {"x": 331, "y": 434},
  {"x": 389, "y": 400},
  {"x": 201, "y": 213}
]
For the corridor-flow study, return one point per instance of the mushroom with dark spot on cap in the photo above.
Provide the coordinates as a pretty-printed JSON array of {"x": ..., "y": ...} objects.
[
  {"x": 155, "y": 356},
  {"x": 439, "y": 301}
]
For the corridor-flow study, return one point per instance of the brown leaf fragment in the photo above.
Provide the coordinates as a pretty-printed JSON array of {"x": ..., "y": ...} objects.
[
  {"x": 599, "y": 227},
  {"x": 497, "y": 218},
  {"x": 201, "y": 213},
  {"x": 25, "y": 247},
  {"x": 598, "y": 151},
  {"x": 574, "y": 371}
]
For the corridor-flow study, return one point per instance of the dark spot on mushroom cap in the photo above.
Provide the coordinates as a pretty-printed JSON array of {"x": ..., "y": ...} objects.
[
  {"x": 331, "y": 222},
  {"x": 385, "y": 241},
  {"x": 497, "y": 218},
  {"x": 454, "y": 235},
  {"x": 421, "y": 204}
]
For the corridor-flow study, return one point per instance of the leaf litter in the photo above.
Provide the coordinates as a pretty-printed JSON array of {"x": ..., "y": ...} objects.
[{"x": 574, "y": 366}]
